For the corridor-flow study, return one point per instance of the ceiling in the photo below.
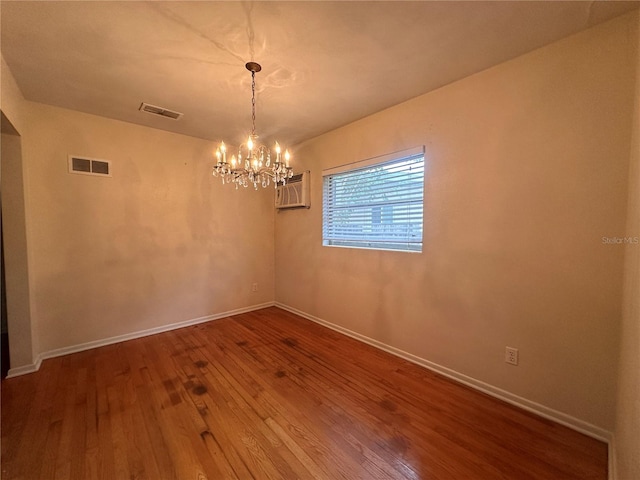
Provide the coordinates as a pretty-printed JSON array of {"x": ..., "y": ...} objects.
[{"x": 324, "y": 64}]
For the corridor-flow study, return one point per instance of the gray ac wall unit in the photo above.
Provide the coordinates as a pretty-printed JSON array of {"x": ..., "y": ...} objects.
[{"x": 295, "y": 194}]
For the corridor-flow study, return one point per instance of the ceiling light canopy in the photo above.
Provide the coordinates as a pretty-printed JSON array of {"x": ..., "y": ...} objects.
[{"x": 254, "y": 163}]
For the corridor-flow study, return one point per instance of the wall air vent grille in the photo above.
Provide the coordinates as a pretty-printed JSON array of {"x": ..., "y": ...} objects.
[
  {"x": 163, "y": 112},
  {"x": 89, "y": 166}
]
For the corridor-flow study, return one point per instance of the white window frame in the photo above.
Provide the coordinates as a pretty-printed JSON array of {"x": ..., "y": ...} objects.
[{"x": 360, "y": 231}]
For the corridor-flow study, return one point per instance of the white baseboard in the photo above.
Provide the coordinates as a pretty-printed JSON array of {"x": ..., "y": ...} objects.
[
  {"x": 24, "y": 369},
  {"x": 58, "y": 352},
  {"x": 533, "y": 407}
]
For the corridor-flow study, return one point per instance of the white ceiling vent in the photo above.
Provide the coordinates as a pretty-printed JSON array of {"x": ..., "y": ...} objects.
[
  {"x": 163, "y": 112},
  {"x": 89, "y": 166}
]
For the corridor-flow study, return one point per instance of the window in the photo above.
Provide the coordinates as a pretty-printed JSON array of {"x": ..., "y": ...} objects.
[{"x": 376, "y": 203}]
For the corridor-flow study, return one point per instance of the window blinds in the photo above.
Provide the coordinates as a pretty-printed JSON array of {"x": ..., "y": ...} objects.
[{"x": 375, "y": 204}]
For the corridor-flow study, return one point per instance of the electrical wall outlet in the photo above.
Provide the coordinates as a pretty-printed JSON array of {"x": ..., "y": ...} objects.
[
  {"x": 254, "y": 287},
  {"x": 511, "y": 355}
]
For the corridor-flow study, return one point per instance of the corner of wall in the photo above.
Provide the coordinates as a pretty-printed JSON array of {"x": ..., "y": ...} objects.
[
  {"x": 625, "y": 446},
  {"x": 11, "y": 98}
]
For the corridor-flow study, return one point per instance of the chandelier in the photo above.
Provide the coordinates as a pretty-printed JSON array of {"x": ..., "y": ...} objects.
[{"x": 254, "y": 163}]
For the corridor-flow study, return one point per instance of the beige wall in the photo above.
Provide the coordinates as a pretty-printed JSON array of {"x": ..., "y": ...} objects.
[
  {"x": 627, "y": 431},
  {"x": 527, "y": 169},
  {"x": 160, "y": 242}
]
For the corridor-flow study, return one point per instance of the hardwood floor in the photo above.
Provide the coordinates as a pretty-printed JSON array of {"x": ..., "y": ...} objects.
[{"x": 269, "y": 395}]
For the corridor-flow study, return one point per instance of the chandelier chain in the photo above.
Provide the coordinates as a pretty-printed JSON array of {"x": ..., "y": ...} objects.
[{"x": 253, "y": 103}]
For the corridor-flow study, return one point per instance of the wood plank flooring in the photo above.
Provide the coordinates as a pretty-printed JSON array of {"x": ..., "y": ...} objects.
[{"x": 269, "y": 395}]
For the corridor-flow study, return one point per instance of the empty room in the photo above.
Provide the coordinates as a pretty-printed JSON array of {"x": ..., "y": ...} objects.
[{"x": 320, "y": 240}]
